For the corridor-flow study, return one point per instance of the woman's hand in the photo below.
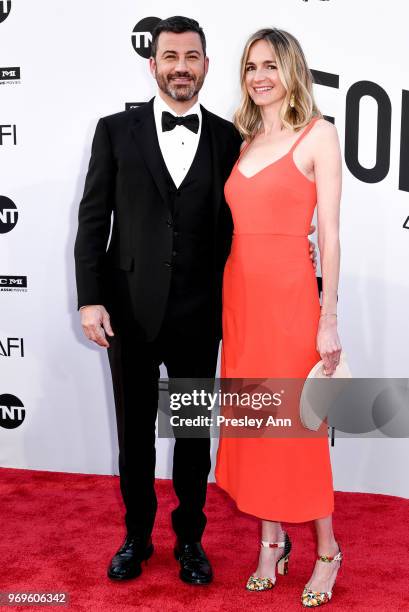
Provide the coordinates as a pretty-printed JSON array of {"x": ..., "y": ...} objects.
[{"x": 328, "y": 343}]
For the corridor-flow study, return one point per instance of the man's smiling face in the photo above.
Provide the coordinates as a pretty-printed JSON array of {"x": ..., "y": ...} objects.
[{"x": 180, "y": 66}]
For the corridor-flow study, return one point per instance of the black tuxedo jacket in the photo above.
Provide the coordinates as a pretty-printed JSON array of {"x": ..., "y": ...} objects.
[{"x": 126, "y": 182}]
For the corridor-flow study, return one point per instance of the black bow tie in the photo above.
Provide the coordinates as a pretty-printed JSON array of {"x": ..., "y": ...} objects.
[{"x": 169, "y": 122}]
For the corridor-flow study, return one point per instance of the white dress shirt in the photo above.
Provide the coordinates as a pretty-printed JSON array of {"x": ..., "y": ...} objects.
[{"x": 179, "y": 145}]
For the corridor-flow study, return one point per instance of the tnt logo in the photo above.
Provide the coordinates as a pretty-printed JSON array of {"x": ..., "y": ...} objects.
[
  {"x": 5, "y": 8},
  {"x": 8, "y": 215},
  {"x": 12, "y": 411},
  {"x": 142, "y": 36}
]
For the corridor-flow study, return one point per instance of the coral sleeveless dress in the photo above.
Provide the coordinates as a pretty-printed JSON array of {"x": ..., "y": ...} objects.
[{"x": 270, "y": 320}]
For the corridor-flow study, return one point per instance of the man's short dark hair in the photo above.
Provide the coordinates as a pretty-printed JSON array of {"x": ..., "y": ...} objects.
[{"x": 178, "y": 25}]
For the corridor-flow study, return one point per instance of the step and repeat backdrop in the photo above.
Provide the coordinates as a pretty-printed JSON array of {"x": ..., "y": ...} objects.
[{"x": 65, "y": 64}]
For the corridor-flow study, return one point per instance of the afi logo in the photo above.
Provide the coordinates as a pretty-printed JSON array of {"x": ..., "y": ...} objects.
[
  {"x": 7, "y": 131},
  {"x": 142, "y": 36},
  {"x": 12, "y": 344},
  {"x": 12, "y": 412},
  {"x": 5, "y": 7},
  {"x": 8, "y": 215}
]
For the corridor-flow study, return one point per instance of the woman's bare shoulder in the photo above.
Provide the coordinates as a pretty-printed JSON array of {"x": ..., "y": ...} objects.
[{"x": 325, "y": 129}]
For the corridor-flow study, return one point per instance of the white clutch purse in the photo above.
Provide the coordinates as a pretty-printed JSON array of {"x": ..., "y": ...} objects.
[{"x": 316, "y": 397}]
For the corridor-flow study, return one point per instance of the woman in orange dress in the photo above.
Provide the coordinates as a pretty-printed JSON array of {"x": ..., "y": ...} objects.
[{"x": 273, "y": 323}]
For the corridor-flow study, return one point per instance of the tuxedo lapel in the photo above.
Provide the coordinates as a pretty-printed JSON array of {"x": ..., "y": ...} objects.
[
  {"x": 144, "y": 133},
  {"x": 216, "y": 168}
]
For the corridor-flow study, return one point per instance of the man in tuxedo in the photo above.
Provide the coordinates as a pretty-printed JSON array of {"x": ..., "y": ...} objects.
[
  {"x": 159, "y": 170},
  {"x": 155, "y": 292}
]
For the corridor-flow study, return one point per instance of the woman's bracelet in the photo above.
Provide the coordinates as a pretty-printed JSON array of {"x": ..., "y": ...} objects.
[{"x": 328, "y": 314}]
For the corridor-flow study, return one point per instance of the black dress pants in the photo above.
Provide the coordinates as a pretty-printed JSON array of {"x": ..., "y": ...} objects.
[{"x": 135, "y": 374}]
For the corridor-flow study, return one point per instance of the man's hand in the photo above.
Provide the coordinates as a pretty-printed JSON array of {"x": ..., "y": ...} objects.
[
  {"x": 313, "y": 252},
  {"x": 95, "y": 324}
]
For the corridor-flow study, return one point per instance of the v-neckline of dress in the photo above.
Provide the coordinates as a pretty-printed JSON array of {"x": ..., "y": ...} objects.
[{"x": 289, "y": 152}]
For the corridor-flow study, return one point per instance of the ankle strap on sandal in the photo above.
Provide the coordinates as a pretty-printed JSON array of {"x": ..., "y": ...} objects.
[
  {"x": 272, "y": 544},
  {"x": 328, "y": 559},
  {"x": 281, "y": 544}
]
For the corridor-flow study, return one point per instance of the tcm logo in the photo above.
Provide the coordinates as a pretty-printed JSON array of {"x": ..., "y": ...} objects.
[
  {"x": 8, "y": 215},
  {"x": 11, "y": 347},
  {"x": 9, "y": 74},
  {"x": 13, "y": 283},
  {"x": 142, "y": 36},
  {"x": 8, "y": 134},
  {"x": 5, "y": 8},
  {"x": 12, "y": 411}
]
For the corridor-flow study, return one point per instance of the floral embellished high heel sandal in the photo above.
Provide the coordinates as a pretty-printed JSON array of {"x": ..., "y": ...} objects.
[
  {"x": 256, "y": 583},
  {"x": 312, "y": 599}
]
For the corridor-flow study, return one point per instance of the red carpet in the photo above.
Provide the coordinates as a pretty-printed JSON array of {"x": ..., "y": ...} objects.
[{"x": 58, "y": 532}]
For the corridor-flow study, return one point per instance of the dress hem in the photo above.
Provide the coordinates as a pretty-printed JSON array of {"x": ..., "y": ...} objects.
[{"x": 276, "y": 520}]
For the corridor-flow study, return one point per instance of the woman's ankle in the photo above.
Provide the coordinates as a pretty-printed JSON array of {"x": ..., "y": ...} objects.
[{"x": 328, "y": 548}]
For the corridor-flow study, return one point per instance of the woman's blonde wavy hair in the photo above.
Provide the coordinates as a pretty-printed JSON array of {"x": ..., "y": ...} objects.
[{"x": 295, "y": 77}]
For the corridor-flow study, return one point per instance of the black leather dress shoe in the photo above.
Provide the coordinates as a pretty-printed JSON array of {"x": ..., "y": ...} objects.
[
  {"x": 194, "y": 565},
  {"x": 127, "y": 562}
]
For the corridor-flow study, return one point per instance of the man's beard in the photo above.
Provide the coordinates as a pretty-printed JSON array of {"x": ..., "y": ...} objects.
[{"x": 181, "y": 93}]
